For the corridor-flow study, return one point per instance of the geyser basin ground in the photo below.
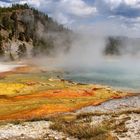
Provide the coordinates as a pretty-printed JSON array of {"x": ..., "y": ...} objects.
[{"x": 31, "y": 92}]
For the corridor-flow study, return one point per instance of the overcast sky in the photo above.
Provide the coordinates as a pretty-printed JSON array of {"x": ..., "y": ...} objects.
[{"x": 100, "y": 16}]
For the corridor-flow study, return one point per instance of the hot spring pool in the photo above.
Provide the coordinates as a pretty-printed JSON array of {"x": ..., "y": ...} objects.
[{"x": 118, "y": 75}]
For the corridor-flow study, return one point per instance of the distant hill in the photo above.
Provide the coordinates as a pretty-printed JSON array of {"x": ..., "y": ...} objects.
[
  {"x": 26, "y": 32},
  {"x": 122, "y": 46}
]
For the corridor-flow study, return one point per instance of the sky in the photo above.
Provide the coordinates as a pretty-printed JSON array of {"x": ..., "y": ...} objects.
[{"x": 119, "y": 17}]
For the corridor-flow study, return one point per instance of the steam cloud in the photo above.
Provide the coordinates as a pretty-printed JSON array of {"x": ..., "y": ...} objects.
[{"x": 86, "y": 51}]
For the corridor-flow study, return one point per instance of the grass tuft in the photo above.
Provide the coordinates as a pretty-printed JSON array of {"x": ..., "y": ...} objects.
[{"x": 79, "y": 130}]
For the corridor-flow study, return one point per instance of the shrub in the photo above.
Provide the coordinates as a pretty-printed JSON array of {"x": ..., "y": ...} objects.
[
  {"x": 42, "y": 46},
  {"x": 1, "y": 48},
  {"x": 11, "y": 57},
  {"x": 21, "y": 36},
  {"x": 10, "y": 36},
  {"x": 113, "y": 46},
  {"x": 5, "y": 22},
  {"x": 79, "y": 130},
  {"x": 22, "y": 51},
  {"x": 14, "y": 16}
]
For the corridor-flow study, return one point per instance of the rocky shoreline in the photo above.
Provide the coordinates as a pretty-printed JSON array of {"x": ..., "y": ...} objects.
[
  {"x": 122, "y": 114},
  {"x": 122, "y": 111},
  {"x": 128, "y": 105},
  {"x": 131, "y": 102},
  {"x": 38, "y": 130}
]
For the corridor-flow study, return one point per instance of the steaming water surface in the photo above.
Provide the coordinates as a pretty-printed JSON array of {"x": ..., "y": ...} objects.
[{"x": 120, "y": 74}]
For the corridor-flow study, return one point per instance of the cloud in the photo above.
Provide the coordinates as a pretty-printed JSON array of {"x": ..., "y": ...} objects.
[
  {"x": 62, "y": 18},
  {"x": 74, "y": 7},
  {"x": 111, "y": 27},
  {"x": 77, "y": 8},
  {"x": 116, "y": 3},
  {"x": 34, "y": 3},
  {"x": 126, "y": 8},
  {"x": 124, "y": 12},
  {"x": 68, "y": 11},
  {"x": 64, "y": 11},
  {"x": 4, "y": 4},
  {"x": 84, "y": 13}
]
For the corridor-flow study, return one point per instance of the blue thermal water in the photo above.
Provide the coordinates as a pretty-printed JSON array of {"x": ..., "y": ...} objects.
[{"x": 117, "y": 75}]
